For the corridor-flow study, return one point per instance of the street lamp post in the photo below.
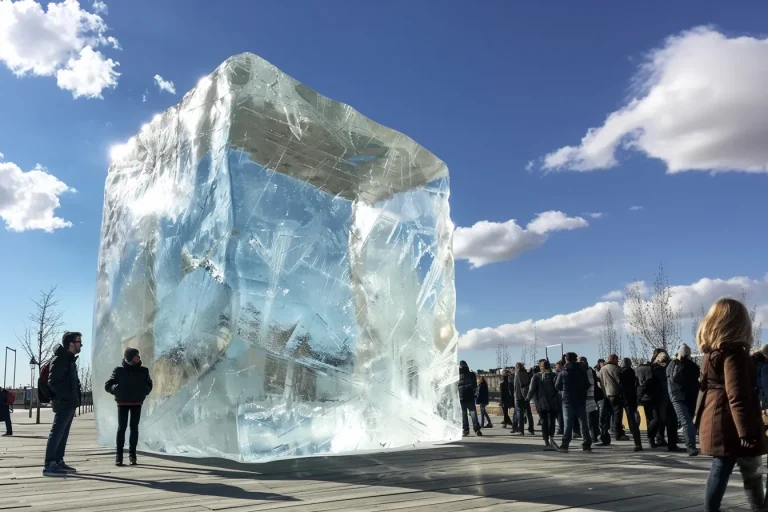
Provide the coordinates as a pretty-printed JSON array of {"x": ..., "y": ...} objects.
[
  {"x": 5, "y": 368},
  {"x": 32, "y": 366}
]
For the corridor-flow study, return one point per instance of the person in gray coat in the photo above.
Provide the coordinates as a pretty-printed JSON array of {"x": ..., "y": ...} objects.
[
  {"x": 522, "y": 406},
  {"x": 613, "y": 408},
  {"x": 543, "y": 393}
]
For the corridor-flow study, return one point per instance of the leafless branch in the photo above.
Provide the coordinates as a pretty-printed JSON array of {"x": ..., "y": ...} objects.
[
  {"x": 654, "y": 321},
  {"x": 610, "y": 342}
]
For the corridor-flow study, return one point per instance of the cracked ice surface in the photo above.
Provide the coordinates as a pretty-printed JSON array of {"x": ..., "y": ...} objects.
[{"x": 284, "y": 266}]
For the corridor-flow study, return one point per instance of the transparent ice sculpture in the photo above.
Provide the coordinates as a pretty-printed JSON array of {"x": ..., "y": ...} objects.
[{"x": 284, "y": 266}]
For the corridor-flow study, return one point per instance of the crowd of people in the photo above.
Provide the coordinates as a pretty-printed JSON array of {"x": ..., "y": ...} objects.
[{"x": 720, "y": 403}]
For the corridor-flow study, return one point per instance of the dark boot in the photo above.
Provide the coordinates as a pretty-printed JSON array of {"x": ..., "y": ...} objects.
[
  {"x": 132, "y": 459},
  {"x": 119, "y": 459}
]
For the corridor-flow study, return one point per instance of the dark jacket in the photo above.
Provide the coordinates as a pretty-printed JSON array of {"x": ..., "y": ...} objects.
[
  {"x": 683, "y": 381},
  {"x": 467, "y": 386},
  {"x": 574, "y": 384},
  {"x": 731, "y": 406},
  {"x": 130, "y": 383},
  {"x": 5, "y": 411},
  {"x": 543, "y": 393},
  {"x": 645, "y": 383},
  {"x": 660, "y": 388},
  {"x": 522, "y": 381},
  {"x": 63, "y": 380},
  {"x": 507, "y": 396},
  {"x": 481, "y": 395},
  {"x": 628, "y": 383}
]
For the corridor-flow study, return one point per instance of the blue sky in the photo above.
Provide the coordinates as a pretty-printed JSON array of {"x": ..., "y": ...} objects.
[{"x": 490, "y": 87}]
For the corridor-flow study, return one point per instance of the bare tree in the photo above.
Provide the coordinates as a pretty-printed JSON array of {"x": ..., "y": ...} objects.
[
  {"x": 610, "y": 342},
  {"x": 654, "y": 321},
  {"x": 757, "y": 327},
  {"x": 696, "y": 319},
  {"x": 86, "y": 388},
  {"x": 41, "y": 332},
  {"x": 634, "y": 351},
  {"x": 524, "y": 353},
  {"x": 534, "y": 347}
]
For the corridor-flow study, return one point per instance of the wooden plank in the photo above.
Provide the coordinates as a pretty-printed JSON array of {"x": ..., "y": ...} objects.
[{"x": 493, "y": 472}]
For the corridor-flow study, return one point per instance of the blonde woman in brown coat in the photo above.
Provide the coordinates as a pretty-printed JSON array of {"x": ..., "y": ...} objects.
[{"x": 731, "y": 428}]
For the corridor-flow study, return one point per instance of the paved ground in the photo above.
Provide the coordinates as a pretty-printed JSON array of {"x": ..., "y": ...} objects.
[{"x": 494, "y": 472}]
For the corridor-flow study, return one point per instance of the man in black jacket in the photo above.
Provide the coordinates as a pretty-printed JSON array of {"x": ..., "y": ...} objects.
[
  {"x": 130, "y": 383},
  {"x": 507, "y": 399},
  {"x": 5, "y": 412},
  {"x": 522, "y": 406},
  {"x": 628, "y": 383},
  {"x": 65, "y": 389},
  {"x": 467, "y": 389},
  {"x": 573, "y": 382},
  {"x": 683, "y": 382},
  {"x": 646, "y": 394}
]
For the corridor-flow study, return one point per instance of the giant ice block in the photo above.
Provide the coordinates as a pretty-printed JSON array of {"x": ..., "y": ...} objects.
[{"x": 284, "y": 265}]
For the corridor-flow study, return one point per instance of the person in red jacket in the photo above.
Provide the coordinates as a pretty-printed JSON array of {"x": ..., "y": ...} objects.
[{"x": 130, "y": 383}]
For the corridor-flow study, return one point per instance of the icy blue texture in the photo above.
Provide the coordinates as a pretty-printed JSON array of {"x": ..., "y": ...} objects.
[{"x": 284, "y": 266}]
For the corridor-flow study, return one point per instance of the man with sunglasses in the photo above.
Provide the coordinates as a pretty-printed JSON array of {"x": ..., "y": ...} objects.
[{"x": 65, "y": 390}]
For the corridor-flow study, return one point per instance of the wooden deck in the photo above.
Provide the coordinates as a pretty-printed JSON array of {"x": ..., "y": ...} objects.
[{"x": 494, "y": 472}]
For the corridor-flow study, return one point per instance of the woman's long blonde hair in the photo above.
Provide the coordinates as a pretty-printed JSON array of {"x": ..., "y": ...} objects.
[{"x": 727, "y": 321}]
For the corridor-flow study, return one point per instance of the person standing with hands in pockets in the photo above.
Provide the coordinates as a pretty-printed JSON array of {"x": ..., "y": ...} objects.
[{"x": 130, "y": 383}]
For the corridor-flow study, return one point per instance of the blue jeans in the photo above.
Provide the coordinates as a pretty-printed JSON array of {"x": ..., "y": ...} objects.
[
  {"x": 469, "y": 408},
  {"x": 717, "y": 481},
  {"x": 689, "y": 428},
  {"x": 484, "y": 415},
  {"x": 57, "y": 439},
  {"x": 570, "y": 414}
]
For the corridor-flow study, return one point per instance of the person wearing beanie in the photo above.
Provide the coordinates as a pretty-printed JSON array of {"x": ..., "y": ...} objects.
[
  {"x": 130, "y": 384},
  {"x": 683, "y": 382},
  {"x": 467, "y": 389}
]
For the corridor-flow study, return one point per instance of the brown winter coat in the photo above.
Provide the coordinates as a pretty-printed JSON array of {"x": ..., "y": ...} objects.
[{"x": 731, "y": 408}]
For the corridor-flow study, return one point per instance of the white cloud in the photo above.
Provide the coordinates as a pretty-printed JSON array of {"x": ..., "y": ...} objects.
[
  {"x": 594, "y": 215},
  {"x": 706, "y": 291},
  {"x": 165, "y": 85},
  {"x": 579, "y": 327},
  {"x": 490, "y": 242},
  {"x": 529, "y": 165},
  {"x": 700, "y": 105},
  {"x": 100, "y": 7},
  {"x": 614, "y": 295},
  {"x": 2, "y": 156},
  {"x": 88, "y": 74},
  {"x": 583, "y": 327},
  {"x": 59, "y": 41},
  {"x": 635, "y": 208},
  {"x": 28, "y": 200}
]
